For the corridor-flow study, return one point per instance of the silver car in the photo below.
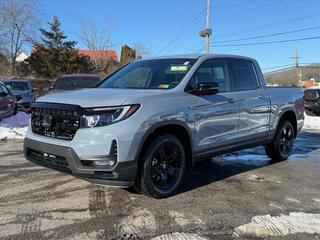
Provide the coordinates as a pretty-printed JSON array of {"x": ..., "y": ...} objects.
[{"x": 153, "y": 119}]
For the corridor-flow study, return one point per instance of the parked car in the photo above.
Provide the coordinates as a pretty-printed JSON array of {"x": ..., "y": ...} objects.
[
  {"x": 8, "y": 102},
  {"x": 312, "y": 102},
  {"x": 74, "y": 82},
  {"x": 23, "y": 91},
  {"x": 153, "y": 119}
]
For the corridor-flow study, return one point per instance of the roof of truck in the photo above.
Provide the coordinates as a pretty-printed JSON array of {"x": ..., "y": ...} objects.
[{"x": 196, "y": 56}]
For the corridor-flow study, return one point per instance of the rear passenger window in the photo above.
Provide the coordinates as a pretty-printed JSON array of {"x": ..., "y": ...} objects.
[{"x": 243, "y": 74}]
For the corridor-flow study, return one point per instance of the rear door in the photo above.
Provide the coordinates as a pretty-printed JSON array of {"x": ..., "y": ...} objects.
[
  {"x": 253, "y": 99},
  {"x": 216, "y": 116}
]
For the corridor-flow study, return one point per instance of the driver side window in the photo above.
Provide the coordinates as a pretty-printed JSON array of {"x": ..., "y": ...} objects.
[{"x": 214, "y": 70}]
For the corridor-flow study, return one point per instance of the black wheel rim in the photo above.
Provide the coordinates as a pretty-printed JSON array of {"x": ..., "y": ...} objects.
[
  {"x": 166, "y": 167},
  {"x": 286, "y": 140}
]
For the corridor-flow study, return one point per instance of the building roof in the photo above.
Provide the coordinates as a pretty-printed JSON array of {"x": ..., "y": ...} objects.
[{"x": 98, "y": 55}]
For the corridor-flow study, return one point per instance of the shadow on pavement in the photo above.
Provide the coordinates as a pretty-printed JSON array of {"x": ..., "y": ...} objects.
[{"x": 228, "y": 165}]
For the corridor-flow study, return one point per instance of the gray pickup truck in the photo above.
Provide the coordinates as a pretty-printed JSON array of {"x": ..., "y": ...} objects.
[{"x": 150, "y": 121}]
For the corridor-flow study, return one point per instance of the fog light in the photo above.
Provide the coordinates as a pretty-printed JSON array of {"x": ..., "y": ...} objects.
[{"x": 103, "y": 163}]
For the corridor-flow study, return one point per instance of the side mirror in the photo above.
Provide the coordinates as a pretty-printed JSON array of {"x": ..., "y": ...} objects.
[
  {"x": 3, "y": 94},
  {"x": 34, "y": 89},
  {"x": 206, "y": 88}
]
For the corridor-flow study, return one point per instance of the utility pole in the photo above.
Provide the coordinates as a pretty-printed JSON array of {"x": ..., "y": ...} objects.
[
  {"x": 298, "y": 69},
  {"x": 208, "y": 31}
]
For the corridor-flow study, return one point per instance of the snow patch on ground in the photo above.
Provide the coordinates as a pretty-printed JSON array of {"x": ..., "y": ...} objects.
[
  {"x": 266, "y": 225},
  {"x": 179, "y": 236},
  {"x": 311, "y": 122},
  {"x": 138, "y": 221},
  {"x": 14, "y": 127}
]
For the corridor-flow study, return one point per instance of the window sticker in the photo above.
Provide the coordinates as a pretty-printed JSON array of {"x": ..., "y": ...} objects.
[
  {"x": 178, "y": 68},
  {"x": 164, "y": 86}
]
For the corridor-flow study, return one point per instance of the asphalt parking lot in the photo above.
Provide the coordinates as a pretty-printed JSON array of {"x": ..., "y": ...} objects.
[{"x": 226, "y": 198}]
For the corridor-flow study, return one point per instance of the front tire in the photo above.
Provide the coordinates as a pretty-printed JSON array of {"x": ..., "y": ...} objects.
[
  {"x": 163, "y": 167},
  {"x": 282, "y": 145}
]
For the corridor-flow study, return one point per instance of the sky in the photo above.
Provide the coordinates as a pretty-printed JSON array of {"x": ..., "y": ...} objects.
[{"x": 169, "y": 27}]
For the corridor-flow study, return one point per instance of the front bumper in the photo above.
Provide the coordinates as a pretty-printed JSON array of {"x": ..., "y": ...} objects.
[{"x": 66, "y": 160}]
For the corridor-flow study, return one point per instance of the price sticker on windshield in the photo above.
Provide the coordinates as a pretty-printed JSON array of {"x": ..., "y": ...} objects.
[{"x": 178, "y": 68}]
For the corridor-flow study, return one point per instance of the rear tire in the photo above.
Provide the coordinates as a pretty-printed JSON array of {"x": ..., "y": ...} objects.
[
  {"x": 162, "y": 169},
  {"x": 282, "y": 145}
]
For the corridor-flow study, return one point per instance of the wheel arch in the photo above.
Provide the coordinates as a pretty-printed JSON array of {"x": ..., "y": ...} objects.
[
  {"x": 172, "y": 127},
  {"x": 291, "y": 116}
]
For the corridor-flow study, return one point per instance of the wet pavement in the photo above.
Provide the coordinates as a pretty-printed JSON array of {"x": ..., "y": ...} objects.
[{"x": 216, "y": 198}]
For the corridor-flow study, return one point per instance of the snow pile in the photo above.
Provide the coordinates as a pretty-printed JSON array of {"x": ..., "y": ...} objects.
[
  {"x": 14, "y": 127},
  {"x": 267, "y": 225},
  {"x": 311, "y": 122}
]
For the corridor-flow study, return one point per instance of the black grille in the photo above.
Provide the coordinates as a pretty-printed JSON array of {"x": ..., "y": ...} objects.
[
  {"x": 55, "y": 120},
  {"x": 48, "y": 159}
]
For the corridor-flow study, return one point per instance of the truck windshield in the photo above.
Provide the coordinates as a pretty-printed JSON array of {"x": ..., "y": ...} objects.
[
  {"x": 74, "y": 83},
  {"x": 150, "y": 74}
]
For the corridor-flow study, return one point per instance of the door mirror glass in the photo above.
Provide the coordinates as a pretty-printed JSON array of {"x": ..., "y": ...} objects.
[{"x": 206, "y": 88}]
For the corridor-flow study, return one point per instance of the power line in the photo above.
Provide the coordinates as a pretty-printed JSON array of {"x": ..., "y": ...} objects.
[
  {"x": 272, "y": 24},
  {"x": 182, "y": 31},
  {"x": 286, "y": 65},
  {"x": 269, "y": 42},
  {"x": 279, "y": 70},
  {"x": 252, "y": 9},
  {"x": 269, "y": 35},
  {"x": 237, "y": 5},
  {"x": 290, "y": 68},
  {"x": 200, "y": 48}
]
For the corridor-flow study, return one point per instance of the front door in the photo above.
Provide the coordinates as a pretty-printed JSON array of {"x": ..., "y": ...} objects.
[{"x": 216, "y": 116}]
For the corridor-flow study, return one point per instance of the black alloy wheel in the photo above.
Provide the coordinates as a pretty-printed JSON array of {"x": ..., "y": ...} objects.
[
  {"x": 282, "y": 145},
  {"x": 163, "y": 167}
]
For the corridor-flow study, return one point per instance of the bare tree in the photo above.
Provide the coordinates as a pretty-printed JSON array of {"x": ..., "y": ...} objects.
[
  {"x": 141, "y": 50},
  {"x": 97, "y": 39},
  {"x": 18, "y": 23}
]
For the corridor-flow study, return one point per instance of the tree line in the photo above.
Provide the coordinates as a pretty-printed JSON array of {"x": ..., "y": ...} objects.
[{"x": 52, "y": 52}]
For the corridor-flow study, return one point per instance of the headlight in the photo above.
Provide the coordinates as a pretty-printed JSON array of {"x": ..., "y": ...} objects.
[{"x": 98, "y": 117}]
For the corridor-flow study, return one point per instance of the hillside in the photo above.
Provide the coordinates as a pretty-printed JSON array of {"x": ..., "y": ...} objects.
[{"x": 289, "y": 77}]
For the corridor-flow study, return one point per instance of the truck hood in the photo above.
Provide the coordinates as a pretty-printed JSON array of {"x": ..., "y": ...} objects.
[{"x": 98, "y": 97}]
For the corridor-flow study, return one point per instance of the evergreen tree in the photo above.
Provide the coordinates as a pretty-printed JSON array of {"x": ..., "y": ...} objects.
[
  {"x": 54, "y": 55},
  {"x": 127, "y": 55}
]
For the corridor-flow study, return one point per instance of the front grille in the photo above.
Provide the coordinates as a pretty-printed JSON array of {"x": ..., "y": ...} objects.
[
  {"x": 48, "y": 159},
  {"x": 55, "y": 120}
]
